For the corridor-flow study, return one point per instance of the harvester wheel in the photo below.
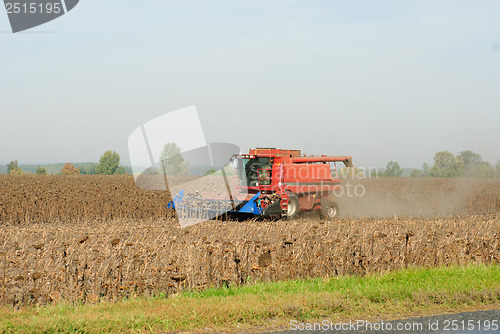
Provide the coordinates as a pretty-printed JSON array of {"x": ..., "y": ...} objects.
[
  {"x": 293, "y": 206},
  {"x": 329, "y": 210}
]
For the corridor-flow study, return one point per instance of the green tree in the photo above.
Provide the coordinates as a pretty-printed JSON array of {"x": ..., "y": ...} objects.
[
  {"x": 392, "y": 169},
  {"x": 424, "y": 172},
  {"x": 469, "y": 159},
  {"x": 14, "y": 169},
  {"x": 121, "y": 171},
  {"x": 88, "y": 170},
  {"x": 446, "y": 164},
  {"x": 41, "y": 171},
  {"x": 426, "y": 169},
  {"x": 481, "y": 169},
  {"x": 497, "y": 168},
  {"x": 13, "y": 166},
  {"x": 415, "y": 172},
  {"x": 108, "y": 163},
  {"x": 70, "y": 169},
  {"x": 474, "y": 166},
  {"x": 172, "y": 161}
]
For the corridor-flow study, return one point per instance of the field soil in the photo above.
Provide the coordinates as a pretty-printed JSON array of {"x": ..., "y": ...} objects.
[{"x": 68, "y": 198}]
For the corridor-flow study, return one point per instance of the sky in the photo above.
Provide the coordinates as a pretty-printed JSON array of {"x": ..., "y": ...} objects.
[{"x": 380, "y": 81}]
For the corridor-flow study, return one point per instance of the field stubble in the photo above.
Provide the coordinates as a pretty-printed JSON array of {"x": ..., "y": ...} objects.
[
  {"x": 91, "y": 261},
  {"x": 89, "y": 239}
]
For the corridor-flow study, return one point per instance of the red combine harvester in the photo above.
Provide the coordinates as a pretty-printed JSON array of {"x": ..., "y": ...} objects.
[
  {"x": 283, "y": 183},
  {"x": 270, "y": 183}
]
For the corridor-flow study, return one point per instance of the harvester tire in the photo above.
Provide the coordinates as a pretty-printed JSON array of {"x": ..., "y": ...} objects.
[
  {"x": 293, "y": 206},
  {"x": 329, "y": 210}
]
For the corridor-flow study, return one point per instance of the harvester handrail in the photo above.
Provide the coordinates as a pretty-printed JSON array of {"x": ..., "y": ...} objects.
[{"x": 347, "y": 160}]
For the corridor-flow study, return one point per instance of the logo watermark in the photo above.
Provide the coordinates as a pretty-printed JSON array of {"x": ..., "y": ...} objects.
[
  {"x": 357, "y": 325},
  {"x": 26, "y": 14},
  {"x": 404, "y": 326},
  {"x": 171, "y": 153}
]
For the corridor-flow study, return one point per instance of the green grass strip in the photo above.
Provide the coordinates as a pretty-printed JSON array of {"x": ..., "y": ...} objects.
[{"x": 273, "y": 304}]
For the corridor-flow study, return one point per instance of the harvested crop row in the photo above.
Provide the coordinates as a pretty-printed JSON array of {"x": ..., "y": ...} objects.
[{"x": 91, "y": 261}]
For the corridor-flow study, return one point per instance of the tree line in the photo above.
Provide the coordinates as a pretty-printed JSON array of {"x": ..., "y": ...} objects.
[
  {"x": 109, "y": 164},
  {"x": 446, "y": 164}
]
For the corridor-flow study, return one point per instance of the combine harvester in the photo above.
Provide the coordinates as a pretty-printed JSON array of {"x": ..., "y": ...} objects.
[{"x": 271, "y": 183}]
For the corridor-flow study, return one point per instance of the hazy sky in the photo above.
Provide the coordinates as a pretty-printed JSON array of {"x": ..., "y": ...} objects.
[{"x": 378, "y": 80}]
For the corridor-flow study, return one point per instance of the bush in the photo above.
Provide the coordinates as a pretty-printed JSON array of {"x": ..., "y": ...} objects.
[
  {"x": 70, "y": 169},
  {"x": 393, "y": 169},
  {"x": 41, "y": 171}
]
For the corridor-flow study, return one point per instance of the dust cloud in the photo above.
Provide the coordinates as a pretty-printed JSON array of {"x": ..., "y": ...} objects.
[{"x": 417, "y": 197}]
